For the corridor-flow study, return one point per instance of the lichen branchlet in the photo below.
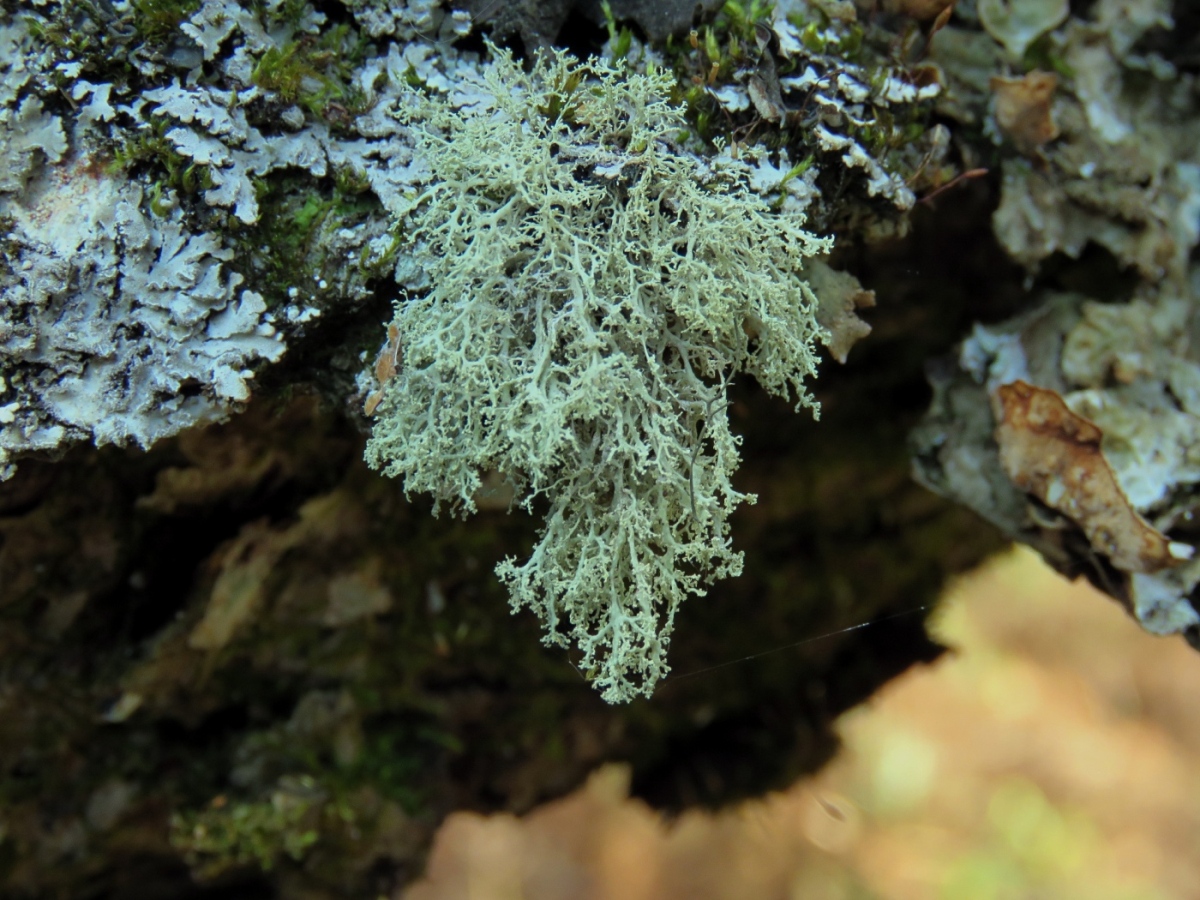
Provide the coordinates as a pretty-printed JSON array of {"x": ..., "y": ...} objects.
[{"x": 592, "y": 288}]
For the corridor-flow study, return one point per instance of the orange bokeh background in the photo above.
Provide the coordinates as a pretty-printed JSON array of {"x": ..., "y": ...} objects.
[{"x": 1054, "y": 753}]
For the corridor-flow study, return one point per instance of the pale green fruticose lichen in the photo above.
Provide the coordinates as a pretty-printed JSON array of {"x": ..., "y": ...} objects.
[{"x": 592, "y": 288}]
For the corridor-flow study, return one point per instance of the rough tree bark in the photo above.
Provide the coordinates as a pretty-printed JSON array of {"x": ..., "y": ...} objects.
[{"x": 240, "y": 663}]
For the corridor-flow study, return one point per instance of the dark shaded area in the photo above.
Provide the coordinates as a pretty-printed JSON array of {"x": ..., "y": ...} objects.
[
  {"x": 578, "y": 24},
  {"x": 428, "y": 696}
]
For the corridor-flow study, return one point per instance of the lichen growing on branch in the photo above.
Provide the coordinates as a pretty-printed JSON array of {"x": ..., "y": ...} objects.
[{"x": 591, "y": 290}]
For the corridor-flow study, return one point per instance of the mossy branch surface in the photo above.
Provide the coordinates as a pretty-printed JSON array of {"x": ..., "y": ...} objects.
[{"x": 592, "y": 290}]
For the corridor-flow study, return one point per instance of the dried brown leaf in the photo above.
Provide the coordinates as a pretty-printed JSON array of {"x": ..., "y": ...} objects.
[
  {"x": 1022, "y": 109},
  {"x": 1054, "y": 454}
]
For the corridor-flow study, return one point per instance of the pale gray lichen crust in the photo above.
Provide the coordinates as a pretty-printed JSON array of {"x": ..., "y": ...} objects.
[{"x": 132, "y": 305}]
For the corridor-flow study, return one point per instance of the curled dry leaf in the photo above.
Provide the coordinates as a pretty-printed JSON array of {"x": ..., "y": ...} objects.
[
  {"x": 1054, "y": 454},
  {"x": 1022, "y": 109}
]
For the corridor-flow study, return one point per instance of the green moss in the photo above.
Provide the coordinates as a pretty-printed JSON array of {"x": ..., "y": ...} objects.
[
  {"x": 159, "y": 20},
  {"x": 101, "y": 39},
  {"x": 59, "y": 34},
  {"x": 160, "y": 204},
  {"x": 350, "y": 182},
  {"x": 562, "y": 100},
  {"x": 90, "y": 35},
  {"x": 711, "y": 56},
  {"x": 388, "y": 764},
  {"x": 288, "y": 13},
  {"x": 285, "y": 69},
  {"x": 151, "y": 148},
  {"x": 620, "y": 39},
  {"x": 1046, "y": 54},
  {"x": 261, "y": 832},
  {"x": 290, "y": 244},
  {"x": 317, "y": 73},
  {"x": 740, "y": 18}
]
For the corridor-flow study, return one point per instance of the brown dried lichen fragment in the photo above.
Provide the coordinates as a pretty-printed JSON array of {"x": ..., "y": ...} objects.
[
  {"x": 1022, "y": 109},
  {"x": 373, "y": 402},
  {"x": 385, "y": 368},
  {"x": 840, "y": 297},
  {"x": 1054, "y": 454}
]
